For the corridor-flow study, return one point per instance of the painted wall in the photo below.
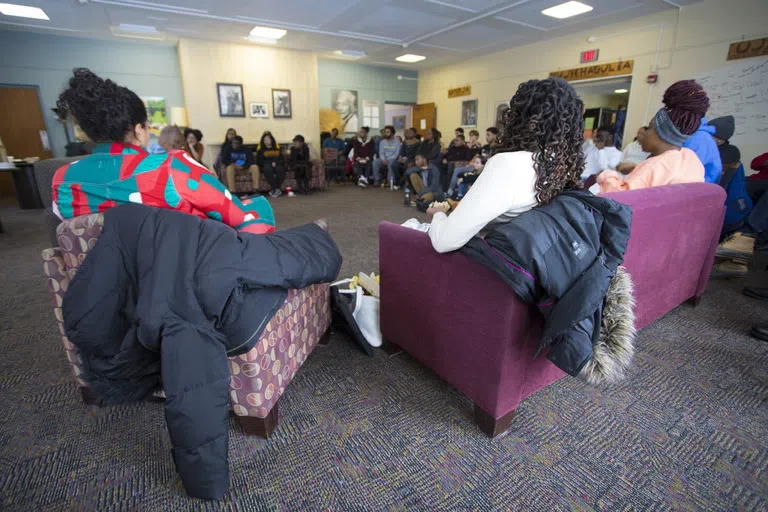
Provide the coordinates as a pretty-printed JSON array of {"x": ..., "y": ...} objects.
[
  {"x": 47, "y": 61},
  {"x": 391, "y": 111},
  {"x": 370, "y": 82},
  {"x": 699, "y": 44},
  {"x": 260, "y": 69}
]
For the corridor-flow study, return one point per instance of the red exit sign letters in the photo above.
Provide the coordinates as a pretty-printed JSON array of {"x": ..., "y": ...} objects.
[{"x": 589, "y": 56}]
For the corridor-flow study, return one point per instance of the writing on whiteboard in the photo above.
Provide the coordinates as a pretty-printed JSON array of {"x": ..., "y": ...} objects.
[{"x": 740, "y": 90}]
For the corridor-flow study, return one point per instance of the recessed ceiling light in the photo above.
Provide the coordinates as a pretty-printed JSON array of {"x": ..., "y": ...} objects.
[
  {"x": 23, "y": 11},
  {"x": 409, "y": 57},
  {"x": 144, "y": 29},
  {"x": 567, "y": 10},
  {"x": 351, "y": 53},
  {"x": 621, "y": 91},
  {"x": 268, "y": 33}
]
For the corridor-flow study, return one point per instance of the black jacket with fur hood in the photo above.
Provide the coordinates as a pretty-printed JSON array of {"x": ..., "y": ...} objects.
[{"x": 564, "y": 257}]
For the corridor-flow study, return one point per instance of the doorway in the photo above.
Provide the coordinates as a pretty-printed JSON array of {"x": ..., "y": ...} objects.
[
  {"x": 399, "y": 115},
  {"x": 22, "y": 128},
  {"x": 605, "y": 101}
]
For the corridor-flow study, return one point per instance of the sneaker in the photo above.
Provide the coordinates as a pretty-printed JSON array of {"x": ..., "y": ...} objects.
[
  {"x": 396, "y": 188},
  {"x": 275, "y": 193},
  {"x": 362, "y": 182},
  {"x": 756, "y": 292},
  {"x": 728, "y": 270},
  {"x": 449, "y": 193},
  {"x": 760, "y": 332},
  {"x": 739, "y": 245}
]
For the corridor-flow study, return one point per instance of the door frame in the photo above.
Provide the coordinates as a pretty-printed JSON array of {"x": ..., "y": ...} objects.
[{"x": 42, "y": 109}]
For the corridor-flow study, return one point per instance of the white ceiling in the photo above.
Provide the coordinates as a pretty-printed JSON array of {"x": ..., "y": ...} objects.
[{"x": 441, "y": 30}]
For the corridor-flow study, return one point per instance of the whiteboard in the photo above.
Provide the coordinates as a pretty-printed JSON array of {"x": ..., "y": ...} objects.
[{"x": 740, "y": 90}]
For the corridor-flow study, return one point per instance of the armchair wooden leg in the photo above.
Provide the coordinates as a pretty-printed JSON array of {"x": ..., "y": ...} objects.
[
  {"x": 491, "y": 426},
  {"x": 325, "y": 339},
  {"x": 261, "y": 427},
  {"x": 90, "y": 397}
]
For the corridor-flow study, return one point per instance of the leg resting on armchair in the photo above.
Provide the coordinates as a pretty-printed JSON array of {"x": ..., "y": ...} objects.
[
  {"x": 490, "y": 425},
  {"x": 90, "y": 397},
  {"x": 694, "y": 301},
  {"x": 262, "y": 427},
  {"x": 325, "y": 339}
]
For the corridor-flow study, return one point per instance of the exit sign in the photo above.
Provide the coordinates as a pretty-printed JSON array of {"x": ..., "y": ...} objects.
[{"x": 589, "y": 56}]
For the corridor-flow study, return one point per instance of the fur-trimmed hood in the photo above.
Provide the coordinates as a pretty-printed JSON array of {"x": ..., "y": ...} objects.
[{"x": 615, "y": 349}]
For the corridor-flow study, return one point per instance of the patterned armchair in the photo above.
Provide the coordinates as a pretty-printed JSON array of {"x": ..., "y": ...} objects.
[{"x": 258, "y": 377}]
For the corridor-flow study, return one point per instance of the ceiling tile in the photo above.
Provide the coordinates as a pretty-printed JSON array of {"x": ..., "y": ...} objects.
[{"x": 472, "y": 37}]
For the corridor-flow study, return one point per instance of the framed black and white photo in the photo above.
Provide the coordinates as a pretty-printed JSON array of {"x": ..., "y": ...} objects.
[
  {"x": 501, "y": 108},
  {"x": 259, "y": 110},
  {"x": 231, "y": 101},
  {"x": 281, "y": 104},
  {"x": 344, "y": 102},
  {"x": 469, "y": 113}
]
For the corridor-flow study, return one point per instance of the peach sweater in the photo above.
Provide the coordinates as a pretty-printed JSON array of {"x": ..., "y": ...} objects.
[{"x": 673, "y": 166}]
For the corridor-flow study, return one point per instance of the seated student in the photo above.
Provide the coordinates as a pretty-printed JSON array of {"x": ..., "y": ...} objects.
[
  {"x": 408, "y": 150},
  {"x": 701, "y": 141},
  {"x": 759, "y": 164},
  {"x": 194, "y": 146},
  {"x": 239, "y": 158},
  {"x": 300, "y": 164},
  {"x": 491, "y": 135},
  {"x": 116, "y": 119},
  {"x": 602, "y": 155},
  {"x": 362, "y": 157},
  {"x": 225, "y": 146},
  {"x": 425, "y": 181},
  {"x": 429, "y": 148},
  {"x": 456, "y": 133},
  {"x": 338, "y": 144},
  {"x": 389, "y": 149},
  {"x": 633, "y": 154},
  {"x": 171, "y": 138},
  {"x": 725, "y": 127},
  {"x": 670, "y": 162},
  {"x": 475, "y": 148},
  {"x": 458, "y": 152},
  {"x": 534, "y": 162},
  {"x": 465, "y": 180},
  {"x": 271, "y": 163}
]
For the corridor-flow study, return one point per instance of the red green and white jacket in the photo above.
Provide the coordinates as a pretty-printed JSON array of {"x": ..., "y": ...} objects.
[{"x": 118, "y": 173}]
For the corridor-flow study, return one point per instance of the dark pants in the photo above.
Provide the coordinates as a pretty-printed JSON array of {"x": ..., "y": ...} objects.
[
  {"x": 301, "y": 172},
  {"x": 274, "y": 175},
  {"x": 365, "y": 169}
]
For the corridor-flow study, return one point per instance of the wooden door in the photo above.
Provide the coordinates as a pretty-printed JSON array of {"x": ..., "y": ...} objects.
[{"x": 424, "y": 117}]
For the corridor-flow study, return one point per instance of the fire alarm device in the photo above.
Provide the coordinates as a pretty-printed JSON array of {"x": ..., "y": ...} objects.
[{"x": 652, "y": 78}]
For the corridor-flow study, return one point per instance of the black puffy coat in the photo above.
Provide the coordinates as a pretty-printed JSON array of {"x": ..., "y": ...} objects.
[
  {"x": 168, "y": 296},
  {"x": 562, "y": 257}
]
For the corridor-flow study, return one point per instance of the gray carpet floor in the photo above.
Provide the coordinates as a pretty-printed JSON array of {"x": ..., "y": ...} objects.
[{"x": 687, "y": 430}]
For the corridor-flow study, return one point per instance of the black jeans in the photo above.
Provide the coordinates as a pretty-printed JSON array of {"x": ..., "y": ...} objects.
[
  {"x": 274, "y": 175},
  {"x": 301, "y": 173}
]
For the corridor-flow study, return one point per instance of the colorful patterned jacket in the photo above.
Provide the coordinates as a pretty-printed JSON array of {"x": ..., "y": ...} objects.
[{"x": 119, "y": 173}]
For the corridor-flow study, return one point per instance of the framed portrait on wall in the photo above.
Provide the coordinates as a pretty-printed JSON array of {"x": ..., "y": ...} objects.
[
  {"x": 259, "y": 110},
  {"x": 344, "y": 103},
  {"x": 281, "y": 104},
  {"x": 501, "y": 107},
  {"x": 231, "y": 101},
  {"x": 469, "y": 113},
  {"x": 399, "y": 123}
]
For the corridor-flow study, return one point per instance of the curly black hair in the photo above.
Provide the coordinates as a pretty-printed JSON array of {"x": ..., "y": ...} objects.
[
  {"x": 546, "y": 117},
  {"x": 197, "y": 133},
  {"x": 104, "y": 110}
]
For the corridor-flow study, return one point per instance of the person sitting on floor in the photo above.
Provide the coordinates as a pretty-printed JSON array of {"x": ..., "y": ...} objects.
[
  {"x": 408, "y": 151},
  {"x": 602, "y": 155},
  {"x": 194, "y": 145},
  {"x": 475, "y": 148},
  {"x": 300, "y": 164},
  {"x": 239, "y": 158},
  {"x": 389, "y": 149},
  {"x": 685, "y": 105},
  {"x": 458, "y": 152},
  {"x": 425, "y": 181},
  {"x": 534, "y": 162},
  {"x": 633, "y": 154},
  {"x": 115, "y": 118},
  {"x": 362, "y": 157},
  {"x": 429, "y": 148},
  {"x": 459, "y": 171},
  {"x": 467, "y": 179},
  {"x": 271, "y": 163},
  {"x": 491, "y": 135}
]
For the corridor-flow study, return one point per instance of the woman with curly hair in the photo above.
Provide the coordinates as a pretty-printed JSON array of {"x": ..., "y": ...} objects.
[
  {"x": 194, "y": 144},
  {"x": 538, "y": 156},
  {"x": 121, "y": 171},
  {"x": 685, "y": 103}
]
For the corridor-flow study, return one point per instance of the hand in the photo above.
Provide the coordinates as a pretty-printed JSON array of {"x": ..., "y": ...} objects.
[
  {"x": 274, "y": 164},
  {"x": 445, "y": 161},
  {"x": 438, "y": 209}
]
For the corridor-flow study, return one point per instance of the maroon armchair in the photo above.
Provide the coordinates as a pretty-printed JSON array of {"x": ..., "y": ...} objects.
[{"x": 459, "y": 319}]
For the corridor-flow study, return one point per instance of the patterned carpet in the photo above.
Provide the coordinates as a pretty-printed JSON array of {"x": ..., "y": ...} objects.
[{"x": 688, "y": 430}]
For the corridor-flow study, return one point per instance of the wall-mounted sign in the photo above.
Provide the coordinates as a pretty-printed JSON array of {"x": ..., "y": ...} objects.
[
  {"x": 621, "y": 67},
  {"x": 746, "y": 49},
  {"x": 589, "y": 56},
  {"x": 460, "y": 91}
]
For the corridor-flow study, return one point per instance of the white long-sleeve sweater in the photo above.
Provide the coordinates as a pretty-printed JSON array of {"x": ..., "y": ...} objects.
[{"x": 504, "y": 190}]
